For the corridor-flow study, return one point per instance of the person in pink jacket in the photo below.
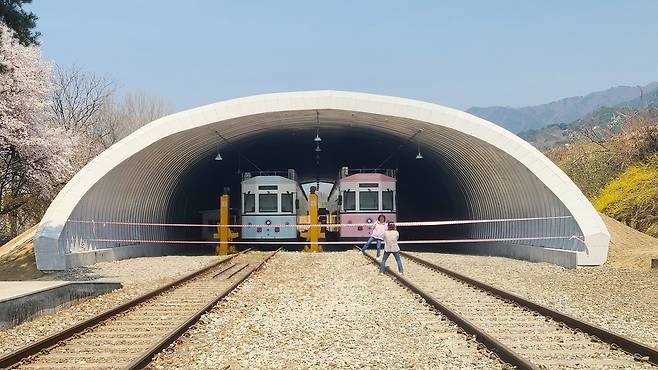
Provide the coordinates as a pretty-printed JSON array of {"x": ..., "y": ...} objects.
[{"x": 377, "y": 234}]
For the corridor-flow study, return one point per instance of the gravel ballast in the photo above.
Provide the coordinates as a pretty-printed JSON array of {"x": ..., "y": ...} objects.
[
  {"x": 543, "y": 342},
  {"x": 139, "y": 275},
  {"x": 323, "y": 310},
  {"x": 623, "y": 300}
]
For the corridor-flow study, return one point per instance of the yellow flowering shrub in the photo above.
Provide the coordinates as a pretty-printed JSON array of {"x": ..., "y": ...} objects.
[{"x": 632, "y": 197}]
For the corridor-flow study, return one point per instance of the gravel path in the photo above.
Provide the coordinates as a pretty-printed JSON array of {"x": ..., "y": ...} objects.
[
  {"x": 318, "y": 311},
  {"x": 624, "y": 300},
  {"x": 139, "y": 275}
]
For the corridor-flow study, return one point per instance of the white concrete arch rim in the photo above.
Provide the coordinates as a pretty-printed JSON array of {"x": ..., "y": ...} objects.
[{"x": 348, "y": 103}]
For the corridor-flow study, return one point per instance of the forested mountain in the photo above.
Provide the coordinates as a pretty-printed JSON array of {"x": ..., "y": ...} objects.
[{"x": 565, "y": 110}]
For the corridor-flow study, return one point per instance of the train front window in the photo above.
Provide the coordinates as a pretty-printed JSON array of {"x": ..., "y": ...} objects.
[
  {"x": 267, "y": 203},
  {"x": 249, "y": 203},
  {"x": 286, "y": 203},
  {"x": 387, "y": 200},
  {"x": 368, "y": 200},
  {"x": 349, "y": 201}
]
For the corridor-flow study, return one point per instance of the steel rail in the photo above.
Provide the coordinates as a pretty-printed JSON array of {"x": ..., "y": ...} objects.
[
  {"x": 145, "y": 358},
  {"x": 31, "y": 349},
  {"x": 505, "y": 353},
  {"x": 223, "y": 270},
  {"x": 238, "y": 270},
  {"x": 625, "y": 343}
]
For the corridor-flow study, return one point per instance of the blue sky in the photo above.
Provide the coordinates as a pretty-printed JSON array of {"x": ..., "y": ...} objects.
[{"x": 459, "y": 54}]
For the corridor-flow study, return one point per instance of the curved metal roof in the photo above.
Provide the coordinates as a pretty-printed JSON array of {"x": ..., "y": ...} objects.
[{"x": 499, "y": 174}]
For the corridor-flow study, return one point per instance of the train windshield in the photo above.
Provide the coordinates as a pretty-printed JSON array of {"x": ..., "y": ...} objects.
[
  {"x": 387, "y": 200},
  {"x": 349, "y": 201},
  {"x": 267, "y": 203},
  {"x": 368, "y": 200},
  {"x": 286, "y": 203},
  {"x": 249, "y": 203}
]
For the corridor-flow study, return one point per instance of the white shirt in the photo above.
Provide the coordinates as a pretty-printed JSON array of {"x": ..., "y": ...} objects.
[
  {"x": 378, "y": 230},
  {"x": 391, "y": 241}
]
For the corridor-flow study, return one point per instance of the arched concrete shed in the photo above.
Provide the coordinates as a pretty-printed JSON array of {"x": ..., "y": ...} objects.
[{"x": 473, "y": 169}]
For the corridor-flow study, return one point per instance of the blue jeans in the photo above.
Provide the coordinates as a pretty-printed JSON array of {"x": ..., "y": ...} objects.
[
  {"x": 370, "y": 239},
  {"x": 382, "y": 265}
]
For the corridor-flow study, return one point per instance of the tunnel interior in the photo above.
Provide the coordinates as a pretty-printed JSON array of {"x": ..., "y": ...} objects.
[
  {"x": 425, "y": 190},
  {"x": 459, "y": 177}
]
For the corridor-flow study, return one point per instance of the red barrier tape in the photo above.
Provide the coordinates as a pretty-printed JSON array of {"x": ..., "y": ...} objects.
[
  {"x": 437, "y": 241},
  {"x": 400, "y": 224}
]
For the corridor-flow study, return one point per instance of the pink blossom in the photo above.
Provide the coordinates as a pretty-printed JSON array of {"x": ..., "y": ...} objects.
[{"x": 30, "y": 148}]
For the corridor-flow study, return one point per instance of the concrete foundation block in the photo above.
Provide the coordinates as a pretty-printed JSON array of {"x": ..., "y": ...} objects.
[
  {"x": 23, "y": 300},
  {"x": 70, "y": 260},
  {"x": 559, "y": 257}
]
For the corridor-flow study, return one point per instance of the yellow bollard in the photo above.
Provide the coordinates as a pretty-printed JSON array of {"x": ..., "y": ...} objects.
[
  {"x": 313, "y": 234},
  {"x": 224, "y": 233}
]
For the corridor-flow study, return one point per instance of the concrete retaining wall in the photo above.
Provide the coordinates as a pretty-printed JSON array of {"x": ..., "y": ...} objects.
[
  {"x": 119, "y": 253},
  {"x": 559, "y": 257},
  {"x": 15, "y": 310},
  {"x": 55, "y": 261}
]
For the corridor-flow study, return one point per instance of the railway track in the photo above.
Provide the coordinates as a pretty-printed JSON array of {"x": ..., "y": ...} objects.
[
  {"x": 128, "y": 336},
  {"x": 523, "y": 333}
]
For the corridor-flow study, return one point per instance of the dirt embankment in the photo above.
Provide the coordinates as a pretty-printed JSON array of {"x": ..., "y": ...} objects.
[
  {"x": 629, "y": 247},
  {"x": 17, "y": 258}
]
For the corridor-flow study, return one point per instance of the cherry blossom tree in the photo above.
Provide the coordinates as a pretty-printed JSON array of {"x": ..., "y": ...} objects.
[{"x": 33, "y": 153}]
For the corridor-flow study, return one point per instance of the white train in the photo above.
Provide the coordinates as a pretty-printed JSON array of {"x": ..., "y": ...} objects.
[{"x": 269, "y": 198}]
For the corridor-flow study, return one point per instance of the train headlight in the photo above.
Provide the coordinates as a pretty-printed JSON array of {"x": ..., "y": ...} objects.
[
  {"x": 369, "y": 220},
  {"x": 268, "y": 222}
]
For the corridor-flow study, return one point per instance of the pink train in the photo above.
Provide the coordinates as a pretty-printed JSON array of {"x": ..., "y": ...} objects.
[{"x": 359, "y": 196}]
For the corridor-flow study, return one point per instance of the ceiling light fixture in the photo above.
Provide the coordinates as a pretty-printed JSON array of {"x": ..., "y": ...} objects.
[
  {"x": 317, "y": 130},
  {"x": 218, "y": 157},
  {"x": 419, "y": 155}
]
